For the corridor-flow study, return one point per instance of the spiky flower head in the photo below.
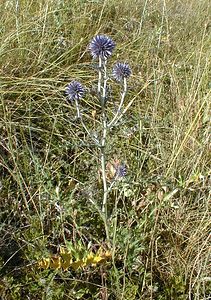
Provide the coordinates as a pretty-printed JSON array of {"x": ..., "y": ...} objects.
[
  {"x": 101, "y": 46},
  {"x": 121, "y": 71},
  {"x": 121, "y": 171},
  {"x": 74, "y": 91}
]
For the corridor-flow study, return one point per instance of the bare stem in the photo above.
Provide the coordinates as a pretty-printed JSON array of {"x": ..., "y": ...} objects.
[
  {"x": 102, "y": 96},
  {"x": 104, "y": 83},
  {"x": 77, "y": 109},
  {"x": 103, "y": 164},
  {"x": 103, "y": 142},
  {"x": 99, "y": 76},
  {"x": 118, "y": 113}
]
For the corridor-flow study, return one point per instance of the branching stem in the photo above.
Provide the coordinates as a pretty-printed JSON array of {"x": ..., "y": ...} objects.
[{"x": 118, "y": 113}]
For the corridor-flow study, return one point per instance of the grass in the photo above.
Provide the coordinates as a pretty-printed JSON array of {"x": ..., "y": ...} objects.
[{"x": 51, "y": 186}]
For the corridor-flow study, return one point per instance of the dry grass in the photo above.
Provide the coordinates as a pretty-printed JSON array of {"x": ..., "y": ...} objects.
[{"x": 160, "y": 214}]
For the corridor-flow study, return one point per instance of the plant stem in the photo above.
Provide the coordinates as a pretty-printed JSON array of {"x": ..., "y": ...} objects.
[
  {"x": 113, "y": 121},
  {"x": 77, "y": 109},
  {"x": 99, "y": 77},
  {"x": 103, "y": 142},
  {"x": 102, "y": 97},
  {"x": 103, "y": 164}
]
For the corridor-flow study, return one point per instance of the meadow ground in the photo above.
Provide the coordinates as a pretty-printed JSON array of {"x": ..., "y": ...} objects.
[{"x": 158, "y": 218}]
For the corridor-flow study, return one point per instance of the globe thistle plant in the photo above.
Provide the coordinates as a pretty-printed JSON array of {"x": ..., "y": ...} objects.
[
  {"x": 121, "y": 71},
  {"x": 75, "y": 92},
  {"x": 101, "y": 46}
]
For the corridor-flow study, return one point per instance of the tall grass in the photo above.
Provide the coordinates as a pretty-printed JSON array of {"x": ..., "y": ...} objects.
[{"x": 159, "y": 214}]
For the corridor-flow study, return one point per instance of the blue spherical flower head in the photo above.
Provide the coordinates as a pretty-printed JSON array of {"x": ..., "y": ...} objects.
[
  {"x": 101, "y": 46},
  {"x": 121, "y": 71},
  {"x": 74, "y": 91}
]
